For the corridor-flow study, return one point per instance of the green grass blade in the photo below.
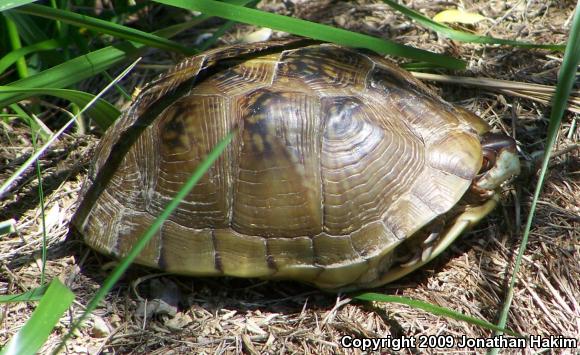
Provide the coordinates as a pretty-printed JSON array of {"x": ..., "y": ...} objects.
[
  {"x": 102, "y": 26},
  {"x": 28, "y": 29},
  {"x": 71, "y": 72},
  {"x": 428, "y": 307},
  {"x": 34, "y": 333},
  {"x": 6, "y": 184},
  {"x": 101, "y": 111},
  {"x": 180, "y": 27},
  {"x": 11, "y": 57},
  {"x": 463, "y": 36},
  {"x": 14, "y": 38},
  {"x": 172, "y": 30},
  {"x": 86, "y": 66},
  {"x": 32, "y": 31},
  {"x": 226, "y": 26},
  {"x": 10, "y": 4},
  {"x": 29, "y": 296},
  {"x": 313, "y": 30},
  {"x": 118, "y": 271},
  {"x": 566, "y": 79}
]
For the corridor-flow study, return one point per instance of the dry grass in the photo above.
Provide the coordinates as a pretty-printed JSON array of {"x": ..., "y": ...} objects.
[{"x": 230, "y": 315}]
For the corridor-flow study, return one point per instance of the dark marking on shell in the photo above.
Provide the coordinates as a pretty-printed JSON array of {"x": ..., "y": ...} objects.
[
  {"x": 257, "y": 122},
  {"x": 173, "y": 129},
  {"x": 324, "y": 65},
  {"x": 381, "y": 78}
]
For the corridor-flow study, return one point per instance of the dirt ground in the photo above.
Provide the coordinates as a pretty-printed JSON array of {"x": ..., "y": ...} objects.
[{"x": 223, "y": 315}]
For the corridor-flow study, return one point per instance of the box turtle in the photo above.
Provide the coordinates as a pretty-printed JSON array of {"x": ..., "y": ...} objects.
[{"x": 345, "y": 172}]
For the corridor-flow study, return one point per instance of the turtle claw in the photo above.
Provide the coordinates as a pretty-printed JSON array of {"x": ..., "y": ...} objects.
[
  {"x": 426, "y": 254},
  {"x": 429, "y": 242},
  {"x": 431, "y": 238},
  {"x": 426, "y": 248}
]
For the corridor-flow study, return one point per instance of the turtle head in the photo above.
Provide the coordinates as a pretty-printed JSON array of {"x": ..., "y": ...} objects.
[{"x": 500, "y": 163}]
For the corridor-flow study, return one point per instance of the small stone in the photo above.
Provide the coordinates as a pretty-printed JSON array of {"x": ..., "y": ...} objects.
[
  {"x": 100, "y": 328},
  {"x": 180, "y": 321}
]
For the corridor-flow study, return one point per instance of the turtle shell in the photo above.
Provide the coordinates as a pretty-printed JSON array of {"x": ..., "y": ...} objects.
[{"x": 339, "y": 157}]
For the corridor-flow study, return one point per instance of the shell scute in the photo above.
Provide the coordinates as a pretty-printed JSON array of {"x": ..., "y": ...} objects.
[
  {"x": 176, "y": 250},
  {"x": 277, "y": 186}
]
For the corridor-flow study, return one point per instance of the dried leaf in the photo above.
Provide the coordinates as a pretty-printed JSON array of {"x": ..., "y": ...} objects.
[{"x": 458, "y": 16}]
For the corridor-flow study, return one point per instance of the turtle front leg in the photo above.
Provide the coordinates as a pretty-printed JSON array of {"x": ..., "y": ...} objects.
[{"x": 453, "y": 228}]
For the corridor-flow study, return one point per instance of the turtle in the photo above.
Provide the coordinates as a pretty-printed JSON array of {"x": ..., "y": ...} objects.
[{"x": 344, "y": 171}]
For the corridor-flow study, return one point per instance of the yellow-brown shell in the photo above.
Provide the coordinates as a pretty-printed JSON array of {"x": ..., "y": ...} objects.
[{"x": 339, "y": 157}]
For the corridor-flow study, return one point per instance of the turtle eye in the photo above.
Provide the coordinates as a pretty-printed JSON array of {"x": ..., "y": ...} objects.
[{"x": 488, "y": 161}]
